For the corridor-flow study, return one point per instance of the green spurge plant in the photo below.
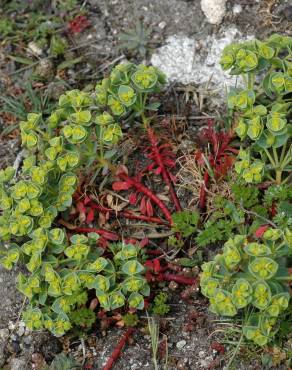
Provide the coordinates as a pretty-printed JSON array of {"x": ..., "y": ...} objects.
[
  {"x": 250, "y": 276},
  {"x": 63, "y": 268},
  {"x": 126, "y": 91},
  {"x": 262, "y": 107}
]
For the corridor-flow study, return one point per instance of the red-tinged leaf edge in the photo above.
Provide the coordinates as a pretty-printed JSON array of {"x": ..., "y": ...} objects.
[
  {"x": 261, "y": 230},
  {"x": 149, "y": 208}
]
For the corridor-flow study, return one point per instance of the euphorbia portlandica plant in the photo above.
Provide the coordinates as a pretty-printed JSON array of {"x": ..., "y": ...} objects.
[
  {"x": 250, "y": 276},
  {"x": 263, "y": 107},
  {"x": 81, "y": 132},
  {"x": 127, "y": 90}
]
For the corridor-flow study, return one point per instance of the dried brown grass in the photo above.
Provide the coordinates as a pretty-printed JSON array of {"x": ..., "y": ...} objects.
[{"x": 190, "y": 178}]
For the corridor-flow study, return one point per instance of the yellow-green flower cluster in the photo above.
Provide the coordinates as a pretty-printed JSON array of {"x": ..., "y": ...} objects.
[
  {"x": 117, "y": 282},
  {"x": 263, "y": 106},
  {"x": 248, "y": 274},
  {"x": 251, "y": 171},
  {"x": 62, "y": 270},
  {"x": 127, "y": 88}
]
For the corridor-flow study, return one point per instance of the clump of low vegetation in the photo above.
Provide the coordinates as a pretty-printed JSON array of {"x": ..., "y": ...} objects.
[{"x": 68, "y": 211}]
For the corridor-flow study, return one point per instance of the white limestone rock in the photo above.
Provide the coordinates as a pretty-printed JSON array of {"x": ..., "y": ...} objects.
[
  {"x": 196, "y": 61},
  {"x": 214, "y": 10}
]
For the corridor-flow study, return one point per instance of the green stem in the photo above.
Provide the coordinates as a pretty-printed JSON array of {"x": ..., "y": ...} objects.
[
  {"x": 276, "y": 159},
  {"x": 270, "y": 158},
  {"x": 250, "y": 81},
  {"x": 100, "y": 142},
  {"x": 287, "y": 159},
  {"x": 278, "y": 176},
  {"x": 234, "y": 353},
  {"x": 283, "y": 152},
  {"x": 145, "y": 121}
]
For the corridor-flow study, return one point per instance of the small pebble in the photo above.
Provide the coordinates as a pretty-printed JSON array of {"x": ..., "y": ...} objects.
[
  {"x": 21, "y": 331},
  {"x": 173, "y": 285},
  {"x": 34, "y": 48},
  {"x": 181, "y": 344},
  {"x": 202, "y": 354},
  {"x": 11, "y": 325},
  {"x": 162, "y": 25},
  {"x": 237, "y": 8}
]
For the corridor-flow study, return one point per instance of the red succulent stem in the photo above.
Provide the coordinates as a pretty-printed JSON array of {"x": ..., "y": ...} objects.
[
  {"x": 178, "y": 279},
  {"x": 143, "y": 189},
  {"x": 164, "y": 172},
  {"x": 117, "y": 351},
  {"x": 130, "y": 215},
  {"x": 106, "y": 234}
]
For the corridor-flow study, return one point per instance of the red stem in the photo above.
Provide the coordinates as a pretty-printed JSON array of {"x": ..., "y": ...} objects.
[
  {"x": 117, "y": 351},
  {"x": 178, "y": 279},
  {"x": 130, "y": 215},
  {"x": 164, "y": 171},
  {"x": 106, "y": 234},
  {"x": 143, "y": 189}
]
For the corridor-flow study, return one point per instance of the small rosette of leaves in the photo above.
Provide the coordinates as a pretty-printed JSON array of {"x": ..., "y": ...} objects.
[
  {"x": 257, "y": 249},
  {"x": 222, "y": 303},
  {"x": 251, "y": 172},
  {"x": 253, "y": 333},
  {"x": 263, "y": 268},
  {"x": 241, "y": 293},
  {"x": 232, "y": 252}
]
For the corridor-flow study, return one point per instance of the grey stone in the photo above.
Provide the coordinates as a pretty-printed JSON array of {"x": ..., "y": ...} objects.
[
  {"x": 181, "y": 344},
  {"x": 182, "y": 62},
  {"x": 237, "y": 9},
  {"x": 21, "y": 329},
  {"x": 18, "y": 363}
]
